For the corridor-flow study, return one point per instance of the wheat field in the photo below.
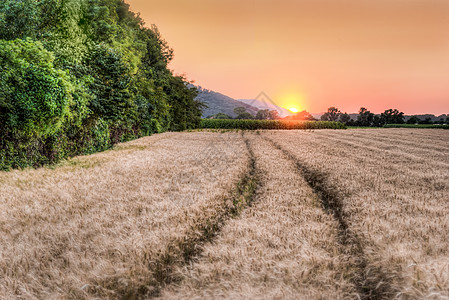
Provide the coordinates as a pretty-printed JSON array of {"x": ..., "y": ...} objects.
[
  {"x": 394, "y": 189},
  {"x": 324, "y": 214},
  {"x": 282, "y": 246}
]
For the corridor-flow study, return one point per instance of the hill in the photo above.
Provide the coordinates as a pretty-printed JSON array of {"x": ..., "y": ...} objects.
[
  {"x": 219, "y": 103},
  {"x": 265, "y": 102}
]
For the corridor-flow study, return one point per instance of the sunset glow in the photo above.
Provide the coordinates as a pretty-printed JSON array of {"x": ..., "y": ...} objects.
[
  {"x": 291, "y": 99},
  {"x": 375, "y": 53}
]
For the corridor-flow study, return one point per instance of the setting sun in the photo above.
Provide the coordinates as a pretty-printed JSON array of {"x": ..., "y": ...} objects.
[{"x": 291, "y": 99}]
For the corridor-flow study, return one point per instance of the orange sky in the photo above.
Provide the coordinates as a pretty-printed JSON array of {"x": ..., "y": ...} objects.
[{"x": 312, "y": 54}]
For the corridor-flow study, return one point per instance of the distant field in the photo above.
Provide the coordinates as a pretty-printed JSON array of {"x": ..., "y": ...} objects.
[
  {"x": 425, "y": 126},
  {"x": 326, "y": 214}
]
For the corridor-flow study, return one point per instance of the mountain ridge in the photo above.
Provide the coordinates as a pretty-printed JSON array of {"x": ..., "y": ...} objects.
[
  {"x": 264, "y": 102},
  {"x": 219, "y": 103}
]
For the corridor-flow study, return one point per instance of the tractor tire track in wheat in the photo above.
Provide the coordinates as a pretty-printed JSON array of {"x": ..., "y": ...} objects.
[
  {"x": 371, "y": 283},
  {"x": 181, "y": 250}
]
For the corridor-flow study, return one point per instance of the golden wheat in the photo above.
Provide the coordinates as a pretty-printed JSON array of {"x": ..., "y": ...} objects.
[
  {"x": 395, "y": 198},
  {"x": 92, "y": 226},
  {"x": 335, "y": 214},
  {"x": 284, "y": 246}
]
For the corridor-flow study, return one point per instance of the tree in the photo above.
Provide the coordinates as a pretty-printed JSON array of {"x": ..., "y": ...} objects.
[
  {"x": 111, "y": 83},
  {"x": 377, "y": 121},
  {"x": 239, "y": 110},
  {"x": 185, "y": 110},
  {"x": 302, "y": 116},
  {"x": 245, "y": 116},
  {"x": 263, "y": 114},
  {"x": 274, "y": 115},
  {"x": 306, "y": 116},
  {"x": 332, "y": 114},
  {"x": 365, "y": 117},
  {"x": 426, "y": 121},
  {"x": 392, "y": 116},
  {"x": 221, "y": 116},
  {"x": 266, "y": 114},
  {"x": 34, "y": 96},
  {"x": 18, "y": 19},
  {"x": 413, "y": 120},
  {"x": 345, "y": 118},
  {"x": 242, "y": 113},
  {"x": 86, "y": 74}
]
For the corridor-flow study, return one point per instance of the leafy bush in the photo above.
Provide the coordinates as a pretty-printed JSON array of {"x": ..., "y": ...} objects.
[
  {"x": 77, "y": 76},
  {"x": 34, "y": 96}
]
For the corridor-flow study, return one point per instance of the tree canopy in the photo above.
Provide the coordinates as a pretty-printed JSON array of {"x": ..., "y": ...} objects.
[
  {"x": 266, "y": 114},
  {"x": 80, "y": 75},
  {"x": 332, "y": 114}
]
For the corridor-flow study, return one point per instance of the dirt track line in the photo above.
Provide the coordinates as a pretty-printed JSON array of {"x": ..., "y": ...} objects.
[
  {"x": 180, "y": 251},
  {"x": 371, "y": 283}
]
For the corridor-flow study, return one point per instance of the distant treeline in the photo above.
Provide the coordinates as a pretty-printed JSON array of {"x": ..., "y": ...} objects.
[
  {"x": 264, "y": 114},
  {"x": 77, "y": 76},
  {"x": 365, "y": 118}
]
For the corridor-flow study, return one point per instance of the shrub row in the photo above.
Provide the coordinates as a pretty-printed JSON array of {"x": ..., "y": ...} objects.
[
  {"x": 78, "y": 76},
  {"x": 268, "y": 124}
]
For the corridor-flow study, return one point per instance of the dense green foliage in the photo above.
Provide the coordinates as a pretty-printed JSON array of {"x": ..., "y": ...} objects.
[
  {"x": 268, "y": 124},
  {"x": 365, "y": 118},
  {"x": 266, "y": 114},
  {"x": 332, "y": 114},
  {"x": 35, "y": 96},
  {"x": 221, "y": 116},
  {"x": 428, "y": 126},
  {"x": 78, "y": 76},
  {"x": 242, "y": 114}
]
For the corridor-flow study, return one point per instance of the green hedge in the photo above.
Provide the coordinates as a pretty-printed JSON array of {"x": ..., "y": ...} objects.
[
  {"x": 268, "y": 124},
  {"x": 78, "y": 76},
  {"x": 422, "y": 126}
]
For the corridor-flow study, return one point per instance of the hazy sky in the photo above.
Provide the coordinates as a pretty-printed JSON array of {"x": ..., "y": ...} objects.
[{"x": 312, "y": 54}]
